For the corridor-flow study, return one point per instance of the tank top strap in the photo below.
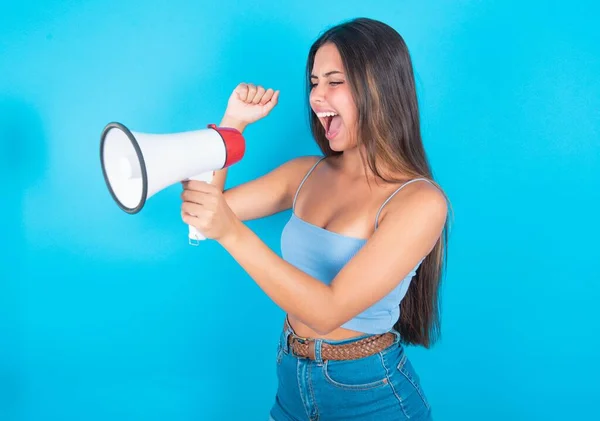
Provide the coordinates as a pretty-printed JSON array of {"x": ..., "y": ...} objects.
[
  {"x": 394, "y": 193},
  {"x": 304, "y": 179}
]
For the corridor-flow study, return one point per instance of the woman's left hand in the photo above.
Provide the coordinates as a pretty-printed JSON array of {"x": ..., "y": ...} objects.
[{"x": 205, "y": 208}]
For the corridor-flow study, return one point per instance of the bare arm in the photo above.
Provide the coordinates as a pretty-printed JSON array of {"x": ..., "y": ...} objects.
[
  {"x": 271, "y": 193},
  {"x": 407, "y": 232},
  {"x": 406, "y": 235},
  {"x": 247, "y": 103},
  {"x": 274, "y": 191}
]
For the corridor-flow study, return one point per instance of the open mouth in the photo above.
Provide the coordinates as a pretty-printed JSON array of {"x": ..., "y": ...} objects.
[{"x": 326, "y": 118}]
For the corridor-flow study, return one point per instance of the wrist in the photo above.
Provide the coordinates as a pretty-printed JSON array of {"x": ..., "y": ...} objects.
[
  {"x": 234, "y": 123},
  {"x": 234, "y": 235}
]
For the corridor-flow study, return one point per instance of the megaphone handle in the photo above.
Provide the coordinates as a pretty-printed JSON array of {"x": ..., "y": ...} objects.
[{"x": 194, "y": 236}]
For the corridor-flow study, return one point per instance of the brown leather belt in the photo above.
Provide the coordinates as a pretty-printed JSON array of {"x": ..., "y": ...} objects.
[{"x": 305, "y": 347}]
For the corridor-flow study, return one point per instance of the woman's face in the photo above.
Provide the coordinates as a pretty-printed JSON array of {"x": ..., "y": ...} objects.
[{"x": 331, "y": 99}]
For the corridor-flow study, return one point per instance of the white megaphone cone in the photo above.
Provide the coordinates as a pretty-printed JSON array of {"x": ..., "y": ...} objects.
[{"x": 138, "y": 165}]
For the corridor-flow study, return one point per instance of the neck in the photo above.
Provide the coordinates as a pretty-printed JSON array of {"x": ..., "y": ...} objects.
[{"x": 351, "y": 163}]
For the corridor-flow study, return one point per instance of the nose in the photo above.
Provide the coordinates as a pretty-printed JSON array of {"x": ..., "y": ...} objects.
[{"x": 317, "y": 94}]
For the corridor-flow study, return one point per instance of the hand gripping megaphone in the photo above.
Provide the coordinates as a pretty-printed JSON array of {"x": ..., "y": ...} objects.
[{"x": 137, "y": 165}]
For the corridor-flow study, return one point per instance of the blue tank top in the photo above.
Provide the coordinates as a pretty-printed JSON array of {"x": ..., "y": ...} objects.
[{"x": 322, "y": 254}]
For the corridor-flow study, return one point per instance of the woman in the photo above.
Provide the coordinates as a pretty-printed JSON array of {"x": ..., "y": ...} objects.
[{"x": 364, "y": 249}]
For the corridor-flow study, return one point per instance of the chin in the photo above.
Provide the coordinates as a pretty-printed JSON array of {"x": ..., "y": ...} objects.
[
  {"x": 336, "y": 147},
  {"x": 340, "y": 144}
]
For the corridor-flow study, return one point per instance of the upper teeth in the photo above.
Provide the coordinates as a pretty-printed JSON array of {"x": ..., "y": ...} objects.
[{"x": 326, "y": 114}]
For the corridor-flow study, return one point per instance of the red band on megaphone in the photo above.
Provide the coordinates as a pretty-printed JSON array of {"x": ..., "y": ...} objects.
[{"x": 235, "y": 144}]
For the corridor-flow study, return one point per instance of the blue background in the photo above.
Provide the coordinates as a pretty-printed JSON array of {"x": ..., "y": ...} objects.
[{"x": 108, "y": 316}]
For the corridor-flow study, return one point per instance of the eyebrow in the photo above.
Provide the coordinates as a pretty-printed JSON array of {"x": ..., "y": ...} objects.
[{"x": 333, "y": 72}]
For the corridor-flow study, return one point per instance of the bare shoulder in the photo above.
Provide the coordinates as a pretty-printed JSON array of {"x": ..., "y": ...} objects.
[
  {"x": 270, "y": 193},
  {"x": 303, "y": 162},
  {"x": 298, "y": 167},
  {"x": 418, "y": 200}
]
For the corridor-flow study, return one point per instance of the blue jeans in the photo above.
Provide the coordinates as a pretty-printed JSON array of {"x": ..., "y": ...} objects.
[{"x": 383, "y": 386}]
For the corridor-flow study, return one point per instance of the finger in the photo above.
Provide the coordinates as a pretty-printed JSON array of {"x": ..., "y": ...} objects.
[
  {"x": 194, "y": 221},
  {"x": 198, "y": 185},
  {"x": 207, "y": 200},
  {"x": 251, "y": 93},
  {"x": 186, "y": 219},
  {"x": 267, "y": 96},
  {"x": 191, "y": 196},
  {"x": 273, "y": 102},
  {"x": 242, "y": 91},
  {"x": 192, "y": 209},
  {"x": 260, "y": 91}
]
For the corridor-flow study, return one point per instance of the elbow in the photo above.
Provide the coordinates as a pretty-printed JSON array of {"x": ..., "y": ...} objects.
[
  {"x": 322, "y": 330},
  {"x": 325, "y": 325},
  {"x": 325, "y": 317}
]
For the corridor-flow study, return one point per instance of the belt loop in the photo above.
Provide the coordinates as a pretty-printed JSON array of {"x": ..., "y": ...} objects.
[
  {"x": 317, "y": 348},
  {"x": 285, "y": 336},
  {"x": 398, "y": 336}
]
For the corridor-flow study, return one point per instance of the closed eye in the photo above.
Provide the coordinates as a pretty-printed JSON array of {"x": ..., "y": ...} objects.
[{"x": 312, "y": 85}]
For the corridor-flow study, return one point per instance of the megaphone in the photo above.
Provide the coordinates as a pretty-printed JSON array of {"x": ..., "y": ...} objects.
[{"x": 137, "y": 165}]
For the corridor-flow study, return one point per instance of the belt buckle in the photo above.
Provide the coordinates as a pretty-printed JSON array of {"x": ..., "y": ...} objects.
[
  {"x": 306, "y": 341},
  {"x": 301, "y": 339}
]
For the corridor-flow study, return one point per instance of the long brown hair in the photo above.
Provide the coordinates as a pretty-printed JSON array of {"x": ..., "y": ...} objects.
[{"x": 379, "y": 70}]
